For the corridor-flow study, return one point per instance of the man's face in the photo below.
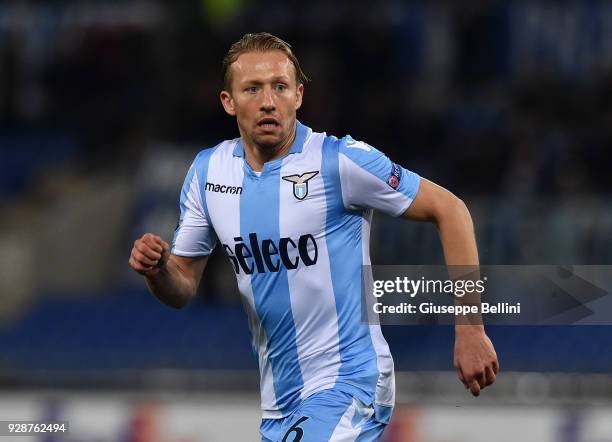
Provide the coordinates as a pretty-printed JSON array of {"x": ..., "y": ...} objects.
[{"x": 264, "y": 96}]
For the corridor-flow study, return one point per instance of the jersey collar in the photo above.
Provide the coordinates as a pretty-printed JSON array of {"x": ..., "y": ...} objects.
[{"x": 301, "y": 133}]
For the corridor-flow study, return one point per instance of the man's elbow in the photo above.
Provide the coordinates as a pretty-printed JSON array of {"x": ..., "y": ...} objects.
[
  {"x": 174, "y": 300},
  {"x": 453, "y": 209}
]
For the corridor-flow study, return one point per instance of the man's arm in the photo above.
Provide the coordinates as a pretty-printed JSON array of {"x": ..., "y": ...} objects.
[
  {"x": 475, "y": 358},
  {"x": 172, "y": 279}
]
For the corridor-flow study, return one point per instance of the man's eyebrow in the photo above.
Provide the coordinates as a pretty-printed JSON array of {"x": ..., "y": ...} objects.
[
  {"x": 281, "y": 78},
  {"x": 284, "y": 78},
  {"x": 247, "y": 81}
]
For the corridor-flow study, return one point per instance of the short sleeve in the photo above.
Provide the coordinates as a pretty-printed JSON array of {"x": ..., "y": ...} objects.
[
  {"x": 194, "y": 234},
  {"x": 370, "y": 180}
]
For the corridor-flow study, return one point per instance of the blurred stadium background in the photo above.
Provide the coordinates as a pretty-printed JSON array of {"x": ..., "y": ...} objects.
[{"x": 103, "y": 105}]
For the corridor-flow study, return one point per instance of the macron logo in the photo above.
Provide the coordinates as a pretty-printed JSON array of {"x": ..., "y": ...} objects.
[{"x": 222, "y": 188}]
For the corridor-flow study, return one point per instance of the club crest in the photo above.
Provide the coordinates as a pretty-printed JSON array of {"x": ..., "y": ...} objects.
[{"x": 300, "y": 183}]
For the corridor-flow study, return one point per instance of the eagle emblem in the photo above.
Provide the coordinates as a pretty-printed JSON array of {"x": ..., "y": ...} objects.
[{"x": 300, "y": 183}]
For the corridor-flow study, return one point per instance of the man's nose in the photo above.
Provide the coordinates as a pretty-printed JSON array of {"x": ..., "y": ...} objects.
[{"x": 267, "y": 104}]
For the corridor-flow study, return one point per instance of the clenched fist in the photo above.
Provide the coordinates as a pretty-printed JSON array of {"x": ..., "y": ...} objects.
[{"x": 149, "y": 254}]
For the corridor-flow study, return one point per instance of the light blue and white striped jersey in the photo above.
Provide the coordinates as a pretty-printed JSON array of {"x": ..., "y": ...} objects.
[{"x": 297, "y": 235}]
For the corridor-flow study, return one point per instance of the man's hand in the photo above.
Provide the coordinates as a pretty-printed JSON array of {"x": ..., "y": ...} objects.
[
  {"x": 149, "y": 254},
  {"x": 475, "y": 358}
]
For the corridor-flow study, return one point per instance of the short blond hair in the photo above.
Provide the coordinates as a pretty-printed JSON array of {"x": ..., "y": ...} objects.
[{"x": 260, "y": 42}]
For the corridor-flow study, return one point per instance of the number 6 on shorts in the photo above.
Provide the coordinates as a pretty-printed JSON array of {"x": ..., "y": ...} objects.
[{"x": 299, "y": 433}]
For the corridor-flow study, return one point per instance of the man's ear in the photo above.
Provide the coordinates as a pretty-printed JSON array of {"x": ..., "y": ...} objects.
[
  {"x": 298, "y": 96},
  {"x": 228, "y": 103}
]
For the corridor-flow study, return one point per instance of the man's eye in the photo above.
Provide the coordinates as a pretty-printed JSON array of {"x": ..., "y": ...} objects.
[
  {"x": 280, "y": 87},
  {"x": 251, "y": 90}
]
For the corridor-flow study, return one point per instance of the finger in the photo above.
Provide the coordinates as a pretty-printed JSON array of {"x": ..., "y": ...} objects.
[
  {"x": 490, "y": 375},
  {"x": 142, "y": 259},
  {"x": 146, "y": 250},
  {"x": 481, "y": 378},
  {"x": 138, "y": 266},
  {"x": 496, "y": 366},
  {"x": 165, "y": 246},
  {"x": 142, "y": 269},
  {"x": 462, "y": 378},
  {"x": 474, "y": 387},
  {"x": 165, "y": 253},
  {"x": 153, "y": 242}
]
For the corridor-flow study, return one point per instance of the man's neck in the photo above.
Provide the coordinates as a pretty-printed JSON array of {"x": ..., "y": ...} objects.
[{"x": 256, "y": 156}]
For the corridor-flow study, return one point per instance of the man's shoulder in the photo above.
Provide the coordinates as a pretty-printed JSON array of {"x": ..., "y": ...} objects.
[
  {"x": 332, "y": 142},
  {"x": 347, "y": 145},
  {"x": 358, "y": 152}
]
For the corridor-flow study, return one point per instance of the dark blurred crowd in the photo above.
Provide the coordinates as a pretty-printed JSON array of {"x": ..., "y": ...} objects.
[
  {"x": 484, "y": 97},
  {"x": 104, "y": 103}
]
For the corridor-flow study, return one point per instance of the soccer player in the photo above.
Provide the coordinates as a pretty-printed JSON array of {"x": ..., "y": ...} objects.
[{"x": 292, "y": 209}]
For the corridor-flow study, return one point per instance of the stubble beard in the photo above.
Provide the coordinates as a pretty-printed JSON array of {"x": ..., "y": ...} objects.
[{"x": 269, "y": 146}]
